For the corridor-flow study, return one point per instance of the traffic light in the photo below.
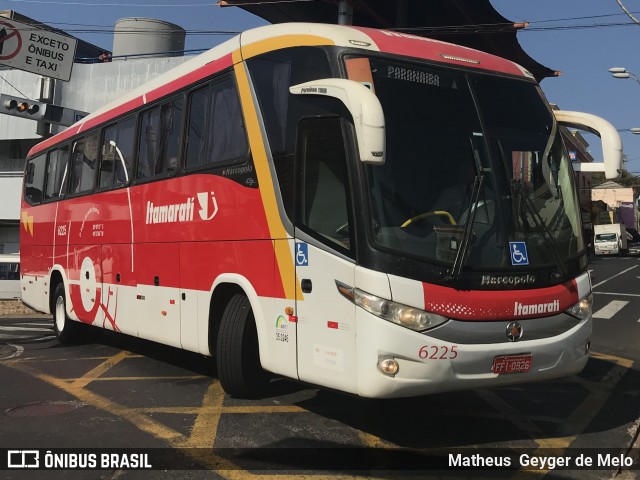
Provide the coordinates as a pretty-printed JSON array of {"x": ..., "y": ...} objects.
[
  {"x": 22, "y": 107},
  {"x": 41, "y": 111}
]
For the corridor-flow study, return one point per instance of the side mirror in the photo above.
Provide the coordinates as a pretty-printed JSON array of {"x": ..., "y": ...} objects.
[
  {"x": 611, "y": 142},
  {"x": 364, "y": 107}
]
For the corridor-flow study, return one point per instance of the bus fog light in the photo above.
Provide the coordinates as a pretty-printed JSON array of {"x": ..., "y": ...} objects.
[
  {"x": 587, "y": 347},
  {"x": 388, "y": 366}
]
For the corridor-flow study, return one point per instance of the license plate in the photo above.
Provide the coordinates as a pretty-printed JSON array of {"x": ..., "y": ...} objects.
[{"x": 512, "y": 364}]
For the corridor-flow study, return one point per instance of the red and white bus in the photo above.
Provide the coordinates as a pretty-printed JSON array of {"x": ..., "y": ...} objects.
[{"x": 364, "y": 210}]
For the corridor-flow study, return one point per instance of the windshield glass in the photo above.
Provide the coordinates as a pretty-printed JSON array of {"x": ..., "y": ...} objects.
[
  {"x": 606, "y": 237},
  {"x": 469, "y": 147}
]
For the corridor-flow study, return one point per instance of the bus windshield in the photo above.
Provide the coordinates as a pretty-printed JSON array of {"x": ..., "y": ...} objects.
[{"x": 469, "y": 155}]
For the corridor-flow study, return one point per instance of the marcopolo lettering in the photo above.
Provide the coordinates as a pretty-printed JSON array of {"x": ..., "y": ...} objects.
[{"x": 508, "y": 281}]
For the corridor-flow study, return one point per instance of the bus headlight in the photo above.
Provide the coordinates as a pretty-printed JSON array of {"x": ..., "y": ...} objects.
[
  {"x": 582, "y": 309},
  {"x": 395, "y": 312}
]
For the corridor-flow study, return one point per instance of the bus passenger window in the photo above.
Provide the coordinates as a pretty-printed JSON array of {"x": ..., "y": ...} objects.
[
  {"x": 116, "y": 164},
  {"x": 323, "y": 192},
  {"x": 57, "y": 173},
  {"x": 34, "y": 179},
  {"x": 84, "y": 158},
  {"x": 216, "y": 133},
  {"x": 159, "y": 147}
]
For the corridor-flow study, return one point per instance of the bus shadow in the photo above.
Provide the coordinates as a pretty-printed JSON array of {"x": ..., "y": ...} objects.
[{"x": 602, "y": 400}]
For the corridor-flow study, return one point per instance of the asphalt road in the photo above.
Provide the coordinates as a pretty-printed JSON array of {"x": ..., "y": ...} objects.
[
  {"x": 118, "y": 392},
  {"x": 616, "y": 305}
]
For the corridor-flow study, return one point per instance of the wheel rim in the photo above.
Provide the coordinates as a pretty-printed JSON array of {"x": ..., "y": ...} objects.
[{"x": 61, "y": 314}]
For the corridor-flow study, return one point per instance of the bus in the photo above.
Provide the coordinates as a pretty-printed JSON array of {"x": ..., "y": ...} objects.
[{"x": 364, "y": 210}]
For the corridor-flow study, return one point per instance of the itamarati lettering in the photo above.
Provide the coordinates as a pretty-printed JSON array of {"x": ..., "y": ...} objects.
[
  {"x": 174, "y": 213},
  {"x": 536, "y": 308}
]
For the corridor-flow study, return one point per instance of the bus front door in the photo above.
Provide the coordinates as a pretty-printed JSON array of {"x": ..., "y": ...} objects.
[{"x": 322, "y": 250}]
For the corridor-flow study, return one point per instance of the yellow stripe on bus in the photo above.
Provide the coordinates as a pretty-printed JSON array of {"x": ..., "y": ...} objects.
[
  {"x": 284, "y": 258},
  {"x": 277, "y": 43}
]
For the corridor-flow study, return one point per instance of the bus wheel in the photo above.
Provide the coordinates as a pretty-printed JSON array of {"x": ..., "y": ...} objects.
[
  {"x": 237, "y": 353},
  {"x": 67, "y": 331}
]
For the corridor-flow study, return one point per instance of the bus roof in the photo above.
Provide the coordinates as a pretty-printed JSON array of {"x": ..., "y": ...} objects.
[{"x": 273, "y": 37}]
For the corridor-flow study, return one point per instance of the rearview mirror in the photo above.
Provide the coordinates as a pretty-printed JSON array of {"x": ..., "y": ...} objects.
[
  {"x": 611, "y": 142},
  {"x": 364, "y": 107}
]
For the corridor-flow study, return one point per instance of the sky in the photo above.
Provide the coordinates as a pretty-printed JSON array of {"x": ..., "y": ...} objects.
[{"x": 566, "y": 35}]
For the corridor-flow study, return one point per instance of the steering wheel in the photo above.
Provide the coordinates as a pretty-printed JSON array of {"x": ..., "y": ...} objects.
[{"x": 422, "y": 216}]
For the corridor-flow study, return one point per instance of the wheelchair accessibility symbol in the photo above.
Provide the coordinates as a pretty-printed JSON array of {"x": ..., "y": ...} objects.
[
  {"x": 302, "y": 254},
  {"x": 518, "y": 253}
]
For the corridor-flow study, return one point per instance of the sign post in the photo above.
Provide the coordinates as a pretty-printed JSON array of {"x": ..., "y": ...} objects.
[{"x": 25, "y": 47}]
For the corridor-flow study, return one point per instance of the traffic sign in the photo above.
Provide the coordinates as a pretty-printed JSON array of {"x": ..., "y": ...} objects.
[{"x": 25, "y": 47}]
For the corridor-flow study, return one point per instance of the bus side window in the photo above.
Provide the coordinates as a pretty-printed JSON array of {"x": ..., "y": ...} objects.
[
  {"x": 272, "y": 74},
  {"x": 159, "y": 146},
  {"x": 116, "y": 163},
  {"x": 57, "y": 172},
  {"x": 84, "y": 159},
  {"x": 216, "y": 132},
  {"x": 323, "y": 189},
  {"x": 34, "y": 179}
]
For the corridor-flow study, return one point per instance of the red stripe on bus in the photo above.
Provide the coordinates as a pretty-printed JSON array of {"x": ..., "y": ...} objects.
[
  {"x": 430, "y": 49},
  {"x": 171, "y": 87},
  {"x": 492, "y": 305}
]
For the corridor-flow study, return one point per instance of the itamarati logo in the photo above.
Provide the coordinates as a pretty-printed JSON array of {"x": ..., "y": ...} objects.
[{"x": 183, "y": 212}]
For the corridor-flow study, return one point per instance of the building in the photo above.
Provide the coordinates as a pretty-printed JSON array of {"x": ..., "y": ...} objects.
[{"x": 613, "y": 203}]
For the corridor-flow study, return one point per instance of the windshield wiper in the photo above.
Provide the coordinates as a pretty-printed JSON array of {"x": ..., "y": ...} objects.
[
  {"x": 550, "y": 244},
  {"x": 518, "y": 195},
  {"x": 458, "y": 262}
]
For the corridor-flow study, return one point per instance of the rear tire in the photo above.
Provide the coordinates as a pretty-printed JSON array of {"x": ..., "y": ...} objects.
[
  {"x": 67, "y": 331},
  {"x": 237, "y": 353}
]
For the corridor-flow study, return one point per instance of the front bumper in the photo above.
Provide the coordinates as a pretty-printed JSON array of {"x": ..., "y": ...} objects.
[{"x": 470, "y": 366}]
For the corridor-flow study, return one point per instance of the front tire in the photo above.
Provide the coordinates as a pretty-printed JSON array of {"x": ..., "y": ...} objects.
[
  {"x": 67, "y": 331},
  {"x": 237, "y": 353}
]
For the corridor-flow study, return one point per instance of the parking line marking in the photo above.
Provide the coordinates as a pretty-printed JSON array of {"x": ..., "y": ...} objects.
[
  {"x": 609, "y": 310},
  {"x": 225, "y": 409},
  {"x": 613, "y": 276},
  {"x": 100, "y": 370},
  {"x": 618, "y": 294},
  {"x": 144, "y": 423},
  {"x": 14, "y": 328},
  {"x": 205, "y": 426},
  {"x": 623, "y": 362},
  {"x": 124, "y": 379}
]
